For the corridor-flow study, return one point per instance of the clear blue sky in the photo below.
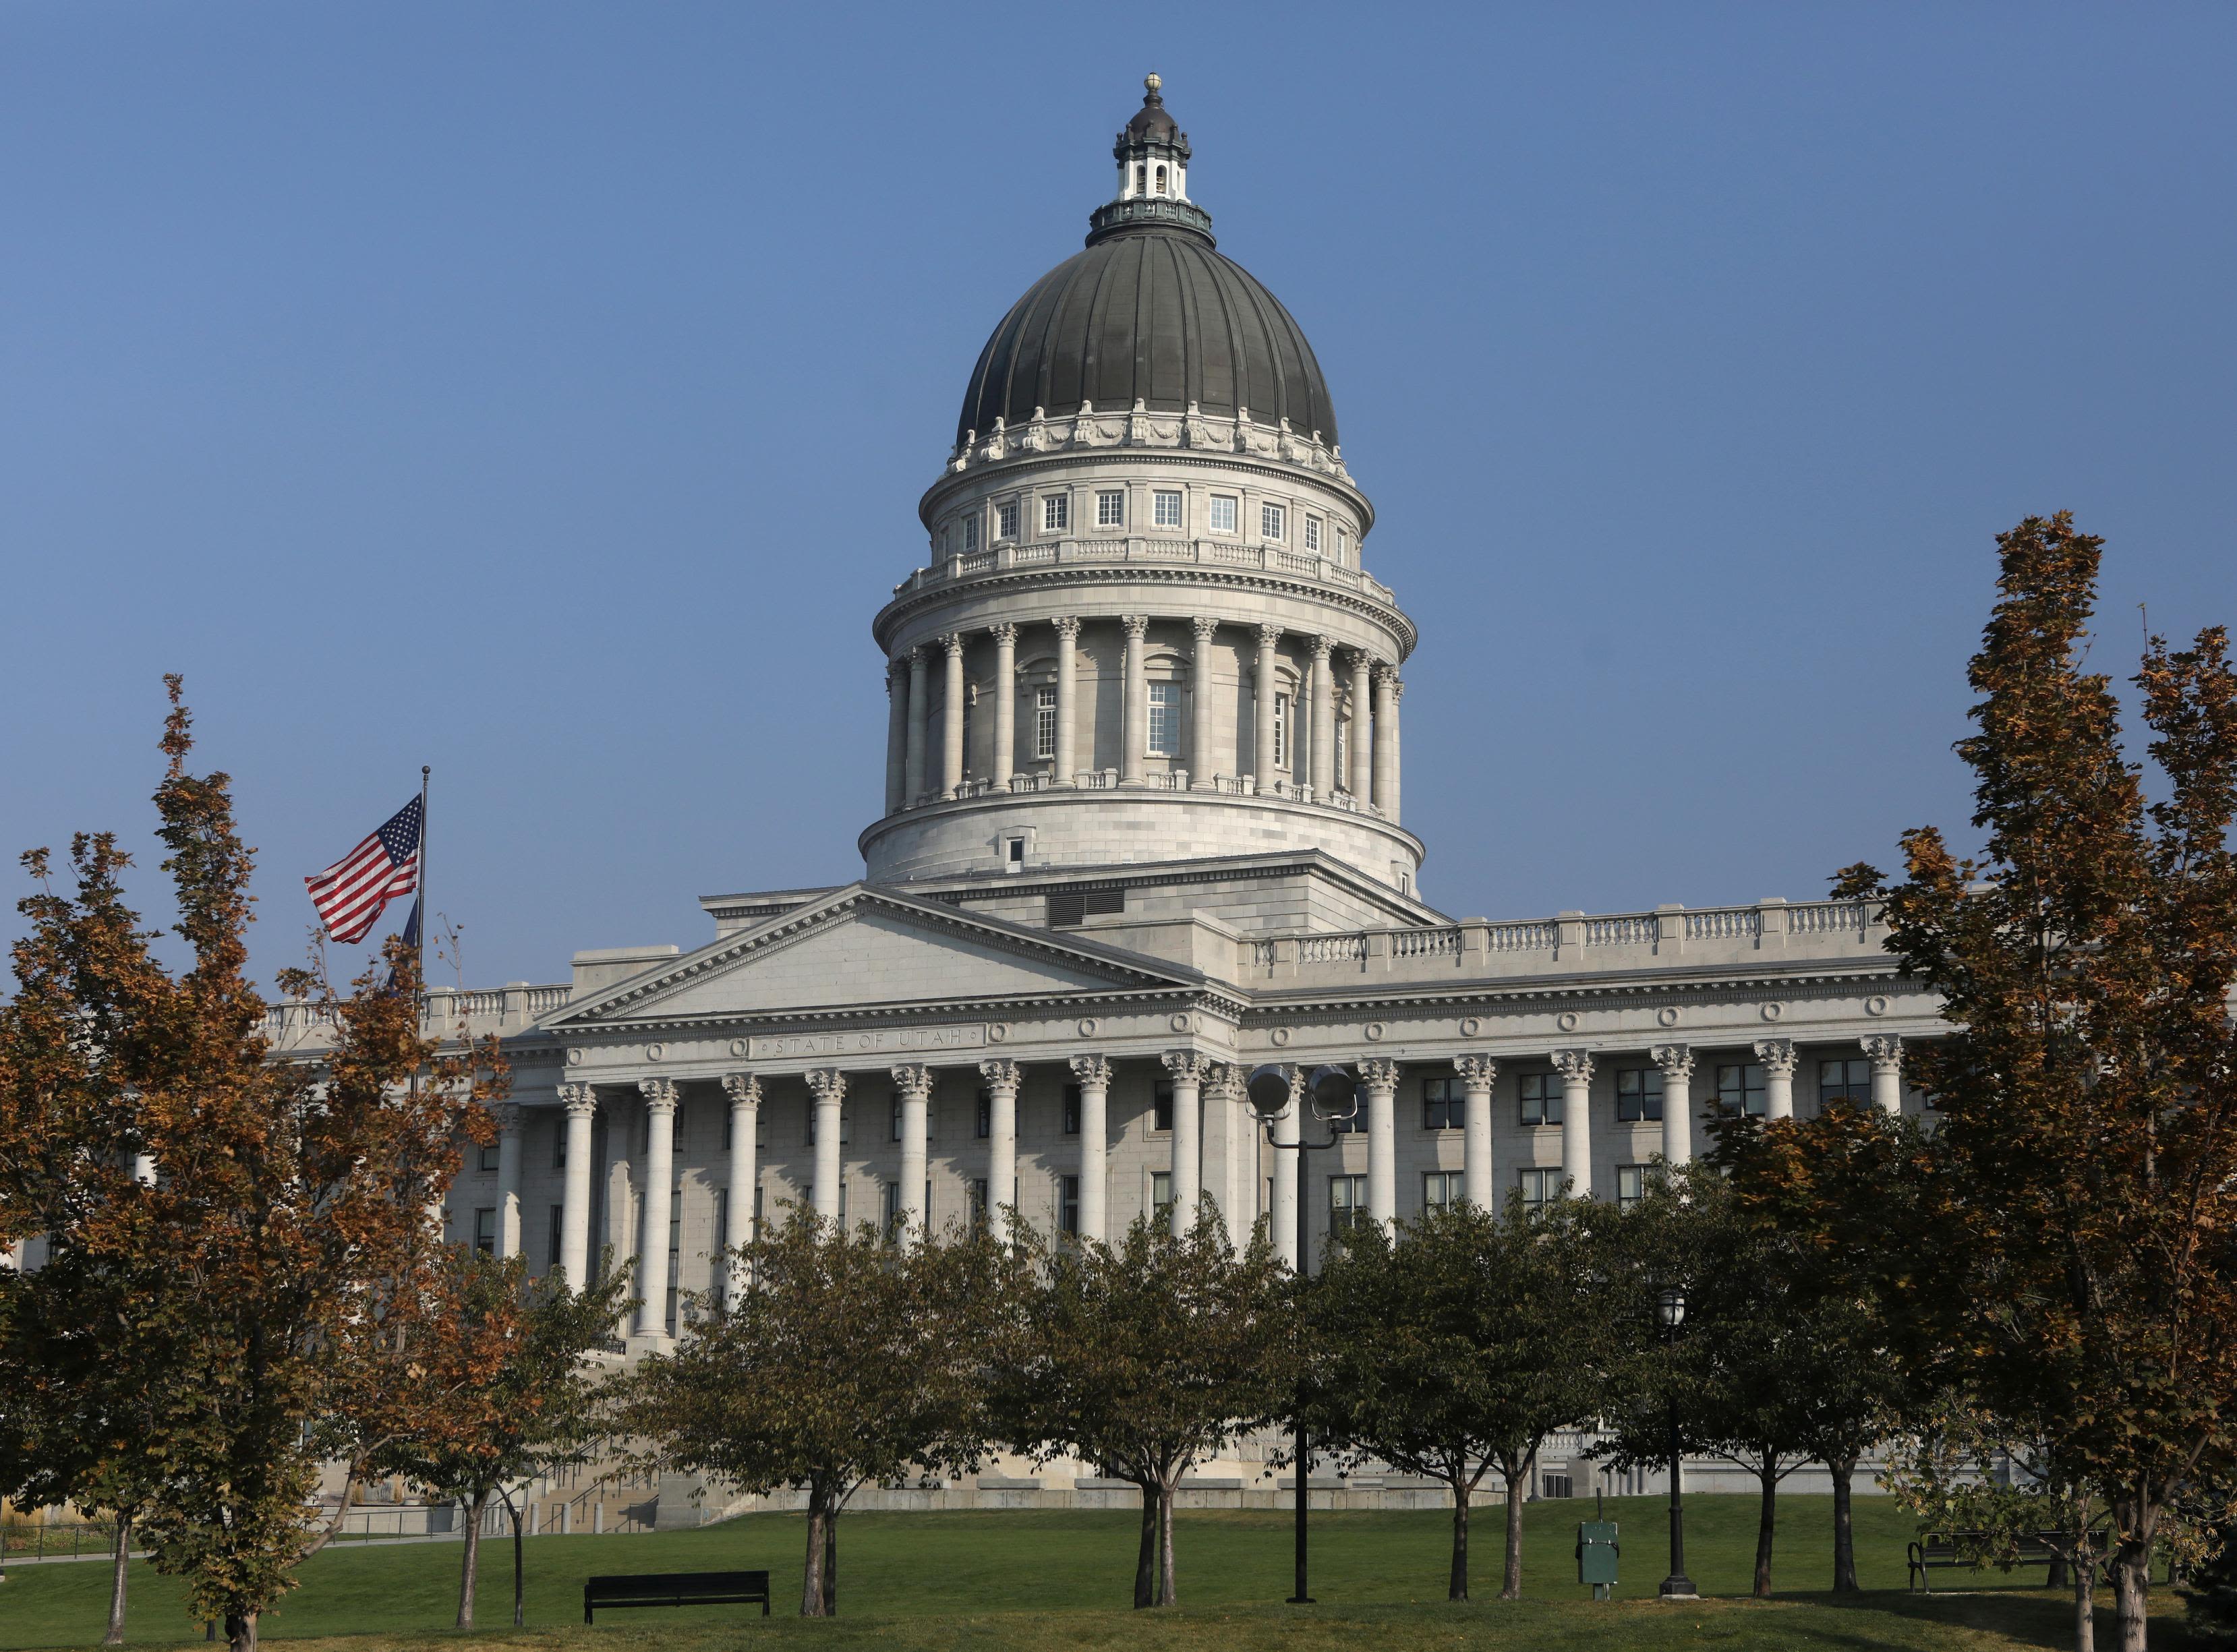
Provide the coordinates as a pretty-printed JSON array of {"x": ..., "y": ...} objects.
[{"x": 542, "y": 391}]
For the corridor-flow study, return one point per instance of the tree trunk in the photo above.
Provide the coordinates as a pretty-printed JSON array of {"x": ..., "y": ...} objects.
[
  {"x": 1510, "y": 1588},
  {"x": 1456, "y": 1584},
  {"x": 831, "y": 1561},
  {"x": 117, "y": 1582},
  {"x": 2131, "y": 1584},
  {"x": 517, "y": 1558},
  {"x": 1169, "y": 1592},
  {"x": 468, "y": 1567},
  {"x": 1767, "y": 1473},
  {"x": 1146, "y": 1563},
  {"x": 241, "y": 1630},
  {"x": 1845, "y": 1531},
  {"x": 811, "y": 1582},
  {"x": 2084, "y": 1569}
]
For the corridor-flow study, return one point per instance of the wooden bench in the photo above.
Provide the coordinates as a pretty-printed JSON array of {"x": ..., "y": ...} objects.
[
  {"x": 1937, "y": 1551},
  {"x": 677, "y": 1589}
]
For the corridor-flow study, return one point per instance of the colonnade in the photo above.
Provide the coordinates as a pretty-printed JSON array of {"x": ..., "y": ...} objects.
[
  {"x": 924, "y": 766},
  {"x": 1210, "y": 1121}
]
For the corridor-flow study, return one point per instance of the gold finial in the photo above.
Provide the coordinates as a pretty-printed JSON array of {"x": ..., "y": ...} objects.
[{"x": 1153, "y": 81}]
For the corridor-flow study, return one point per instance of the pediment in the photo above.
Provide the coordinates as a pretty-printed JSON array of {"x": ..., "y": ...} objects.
[{"x": 864, "y": 949}]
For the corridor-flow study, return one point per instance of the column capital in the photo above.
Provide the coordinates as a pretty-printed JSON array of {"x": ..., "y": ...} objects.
[
  {"x": 1380, "y": 1075},
  {"x": 1005, "y": 635},
  {"x": 1224, "y": 1081},
  {"x": 953, "y": 643},
  {"x": 1397, "y": 686},
  {"x": 1323, "y": 647},
  {"x": 897, "y": 674},
  {"x": 1000, "y": 1075},
  {"x": 1886, "y": 1049},
  {"x": 914, "y": 1080},
  {"x": 829, "y": 1083},
  {"x": 1574, "y": 1063},
  {"x": 1138, "y": 626},
  {"x": 1204, "y": 625},
  {"x": 919, "y": 654},
  {"x": 581, "y": 1100},
  {"x": 1186, "y": 1066},
  {"x": 1091, "y": 1071},
  {"x": 1776, "y": 1056},
  {"x": 659, "y": 1093},
  {"x": 1067, "y": 626},
  {"x": 1358, "y": 659},
  {"x": 508, "y": 1118},
  {"x": 744, "y": 1089},
  {"x": 1476, "y": 1071},
  {"x": 1386, "y": 675},
  {"x": 1270, "y": 636},
  {"x": 1676, "y": 1061}
]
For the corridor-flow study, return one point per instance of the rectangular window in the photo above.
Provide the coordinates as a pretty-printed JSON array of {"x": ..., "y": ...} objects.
[
  {"x": 1110, "y": 509},
  {"x": 722, "y": 1221},
  {"x": 1441, "y": 1190},
  {"x": 971, "y": 533},
  {"x": 1072, "y": 1109},
  {"x": 1639, "y": 1094},
  {"x": 889, "y": 1211},
  {"x": 1841, "y": 1083},
  {"x": 1005, "y": 519},
  {"x": 896, "y": 1134},
  {"x": 1444, "y": 1104},
  {"x": 675, "y": 1255},
  {"x": 1281, "y": 730},
  {"x": 1067, "y": 1204},
  {"x": 1223, "y": 514},
  {"x": 1741, "y": 1088},
  {"x": 1166, "y": 510},
  {"x": 1272, "y": 520},
  {"x": 984, "y": 1124},
  {"x": 1343, "y": 545},
  {"x": 1161, "y": 1194},
  {"x": 1538, "y": 1186},
  {"x": 1164, "y": 719},
  {"x": 559, "y": 1144},
  {"x": 1312, "y": 533},
  {"x": 977, "y": 1192},
  {"x": 485, "y": 1232},
  {"x": 1161, "y": 1105},
  {"x": 559, "y": 1230},
  {"x": 1056, "y": 513},
  {"x": 1542, "y": 1098},
  {"x": 486, "y": 1158},
  {"x": 1630, "y": 1185},
  {"x": 1347, "y": 1202},
  {"x": 1044, "y": 723}
]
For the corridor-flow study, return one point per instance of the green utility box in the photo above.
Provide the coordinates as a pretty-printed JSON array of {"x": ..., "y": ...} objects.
[{"x": 1597, "y": 1551}]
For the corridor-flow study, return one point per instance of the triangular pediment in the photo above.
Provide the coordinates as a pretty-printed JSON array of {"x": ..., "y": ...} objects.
[{"x": 863, "y": 948}]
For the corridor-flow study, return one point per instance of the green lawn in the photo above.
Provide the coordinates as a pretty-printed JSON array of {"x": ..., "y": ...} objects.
[{"x": 1062, "y": 1580}]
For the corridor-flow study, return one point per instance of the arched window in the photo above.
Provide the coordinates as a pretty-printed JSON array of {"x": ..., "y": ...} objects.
[
  {"x": 1161, "y": 181},
  {"x": 1139, "y": 170}
]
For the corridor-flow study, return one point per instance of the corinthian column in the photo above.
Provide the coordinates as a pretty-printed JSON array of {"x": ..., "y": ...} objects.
[
  {"x": 1325, "y": 781},
  {"x": 508, "y": 1180},
  {"x": 1380, "y": 1079},
  {"x": 1397, "y": 760},
  {"x": 1886, "y": 1053},
  {"x": 1135, "y": 722},
  {"x": 1576, "y": 1068},
  {"x": 1200, "y": 705},
  {"x": 582, "y": 1104},
  {"x": 745, "y": 1093},
  {"x": 913, "y": 782},
  {"x": 1093, "y": 1075},
  {"x": 1676, "y": 1062},
  {"x": 1477, "y": 1073},
  {"x": 1187, "y": 1068},
  {"x": 829, "y": 1087},
  {"x": 951, "y": 730},
  {"x": 1006, "y": 704},
  {"x": 652, "y": 1216},
  {"x": 1001, "y": 1078},
  {"x": 1067, "y": 706},
  {"x": 1386, "y": 743},
  {"x": 1776, "y": 1056},
  {"x": 1263, "y": 765},
  {"x": 897, "y": 714},
  {"x": 1363, "y": 725},
  {"x": 914, "y": 1080}
]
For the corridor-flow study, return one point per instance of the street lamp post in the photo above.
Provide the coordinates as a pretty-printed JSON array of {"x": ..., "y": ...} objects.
[
  {"x": 1333, "y": 1098},
  {"x": 1670, "y": 1310}
]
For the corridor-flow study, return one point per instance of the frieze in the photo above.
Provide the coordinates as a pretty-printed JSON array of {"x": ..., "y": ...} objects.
[{"x": 873, "y": 1041}]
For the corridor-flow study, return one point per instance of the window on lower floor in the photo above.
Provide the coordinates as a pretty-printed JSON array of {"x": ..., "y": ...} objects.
[
  {"x": 1005, "y": 519},
  {"x": 1347, "y": 1202},
  {"x": 1539, "y": 1187},
  {"x": 1110, "y": 509},
  {"x": 1844, "y": 1082},
  {"x": 1067, "y": 1204},
  {"x": 1223, "y": 514},
  {"x": 1281, "y": 731},
  {"x": 983, "y": 1118},
  {"x": 1044, "y": 723},
  {"x": 485, "y": 1159},
  {"x": 1161, "y": 1105},
  {"x": 1740, "y": 1087},
  {"x": 1072, "y": 1109},
  {"x": 1164, "y": 719},
  {"x": 1056, "y": 513},
  {"x": 674, "y": 1257},
  {"x": 1630, "y": 1185},
  {"x": 1166, "y": 510},
  {"x": 889, "y": 1211},
  {"x": 1441, "y": 1190},
  {"x": 1273, "y": 521},
  {"x": 1444, "y": 1105},
  {"x": 557, "y": 1238},
  {"x": 1542, "y": 1098},
  {"x": 1161, "y": 1194},
  {"x": 485, "y": 1232},
  {"x": 1637, "y": 1095}
]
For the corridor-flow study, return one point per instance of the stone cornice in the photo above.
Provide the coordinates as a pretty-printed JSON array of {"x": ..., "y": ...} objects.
[{"x": 1270, "y": 1008}]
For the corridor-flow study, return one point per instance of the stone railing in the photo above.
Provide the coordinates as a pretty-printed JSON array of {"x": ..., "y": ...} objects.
[
  {"x": 1573, "y": 936},
  {"x": 1087, "y": 428},
  {"x": 1178, "y": 779},
  {"x": 481, "y": 1008},
  {"x": 1136, "y": 548}
]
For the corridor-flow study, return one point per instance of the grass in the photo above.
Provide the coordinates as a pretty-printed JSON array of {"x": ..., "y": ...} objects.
[{"x": 1061, "y": 1581}]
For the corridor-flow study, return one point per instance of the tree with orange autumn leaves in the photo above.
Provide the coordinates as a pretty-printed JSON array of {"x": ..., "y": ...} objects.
[{"x": 247, "y": 1246}]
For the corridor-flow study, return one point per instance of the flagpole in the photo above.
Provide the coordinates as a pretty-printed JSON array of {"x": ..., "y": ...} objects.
[{"x": 424, "y": 911}]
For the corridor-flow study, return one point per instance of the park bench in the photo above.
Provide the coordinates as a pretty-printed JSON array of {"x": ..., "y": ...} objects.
[
  {"x": 1947, "y": 1550},
  {"x": 677, "y": 1589}
]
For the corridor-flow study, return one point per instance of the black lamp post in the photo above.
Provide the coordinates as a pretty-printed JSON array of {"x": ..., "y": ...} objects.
[
  {"x": 1333, "y": 1097},
  {"x": 1670, "y": 1311}
]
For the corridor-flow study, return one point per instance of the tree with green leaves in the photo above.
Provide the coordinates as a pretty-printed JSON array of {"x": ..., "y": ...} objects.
[
  {"x": 1146, "y": 1357},
  {"x": 260, "y": 1230},
  {"x": 2086, "y": 1092},
  {"x": 845, "y": 1360},
  {"x": 535, "y": 1412},
  {"x": 1456, "y": 1346}
]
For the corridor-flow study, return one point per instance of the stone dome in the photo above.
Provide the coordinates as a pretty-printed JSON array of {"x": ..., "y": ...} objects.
[{"x": 1151, "y": 312}]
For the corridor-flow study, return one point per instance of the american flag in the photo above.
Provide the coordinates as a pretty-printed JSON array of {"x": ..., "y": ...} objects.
[{"x": 352, "y": 893}]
